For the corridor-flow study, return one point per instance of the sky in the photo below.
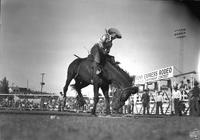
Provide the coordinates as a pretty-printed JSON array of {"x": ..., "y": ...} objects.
[{"x": 41, "y": 36}]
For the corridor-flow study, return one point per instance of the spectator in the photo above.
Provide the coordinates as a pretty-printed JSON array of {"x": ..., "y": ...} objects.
[
  {"x": 188, "y": 85},
  {"x": 159, "y": 101},
  {"x": 181, "y": 85},
  {"x": 145, "y": 101},
  {"x": 176, "y": 96},
  {"x": 132, "y": 105},
  {"x": 126, "y": 107},
  {"x": 195, "y": 93}
]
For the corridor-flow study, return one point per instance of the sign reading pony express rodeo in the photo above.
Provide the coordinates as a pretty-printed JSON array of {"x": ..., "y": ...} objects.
[{"x": 163, "y": 73}]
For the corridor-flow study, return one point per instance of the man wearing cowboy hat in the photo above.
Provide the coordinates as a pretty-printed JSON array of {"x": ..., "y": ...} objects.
[
  {"x": 195, "y": 97},
  {"x": 145, "y": 101},
  {"x": 103, "y": 47}
]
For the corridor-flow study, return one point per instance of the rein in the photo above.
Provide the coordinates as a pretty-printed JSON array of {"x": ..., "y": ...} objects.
[{"x": 127, "y": 88}]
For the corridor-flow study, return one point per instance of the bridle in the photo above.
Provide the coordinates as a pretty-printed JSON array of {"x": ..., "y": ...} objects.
[{"x": 126, "y": 89}]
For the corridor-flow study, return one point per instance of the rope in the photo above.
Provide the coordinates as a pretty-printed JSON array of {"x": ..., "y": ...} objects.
[{"x": 127, "y": 88}]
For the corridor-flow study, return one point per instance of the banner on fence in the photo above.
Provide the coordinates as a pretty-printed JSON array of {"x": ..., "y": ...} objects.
[{"x": 156, "y": 75}]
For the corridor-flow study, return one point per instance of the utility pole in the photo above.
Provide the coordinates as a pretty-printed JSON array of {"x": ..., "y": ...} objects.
[
  {"x": 27, "y": 84},
  {"x": 181, "y": 34},
  {"x": 42, "y": 83}
]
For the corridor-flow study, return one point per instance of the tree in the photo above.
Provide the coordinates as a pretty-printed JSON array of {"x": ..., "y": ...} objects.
[{"x": 4, "y": 85}]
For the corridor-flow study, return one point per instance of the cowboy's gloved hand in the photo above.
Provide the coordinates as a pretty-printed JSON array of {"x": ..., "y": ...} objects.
[{"x": 105, "y": 51}]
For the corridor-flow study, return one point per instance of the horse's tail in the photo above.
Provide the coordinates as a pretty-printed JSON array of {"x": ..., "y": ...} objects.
[{"x": 77, "y": 56}]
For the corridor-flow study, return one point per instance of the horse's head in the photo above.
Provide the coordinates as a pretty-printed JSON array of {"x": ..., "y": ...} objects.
[
  {"x": 120, "y": 97},
  {"x": 120, "y": 79}
]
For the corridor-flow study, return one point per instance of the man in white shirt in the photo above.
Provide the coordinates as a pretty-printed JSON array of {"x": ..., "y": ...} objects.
[
  {"x": 159, "y": 101},
  {"x": 176, "y": 97}
]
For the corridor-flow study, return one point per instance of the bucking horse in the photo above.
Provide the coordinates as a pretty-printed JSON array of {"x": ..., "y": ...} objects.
[{"x": 81, "y": 70}]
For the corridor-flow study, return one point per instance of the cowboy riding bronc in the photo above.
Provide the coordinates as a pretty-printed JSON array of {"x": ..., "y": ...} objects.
[
  {"x": 102, "y": 47},
  {"x": 85, "y": 71}
]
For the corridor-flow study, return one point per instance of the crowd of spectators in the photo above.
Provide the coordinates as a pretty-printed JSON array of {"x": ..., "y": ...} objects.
[
  {"x": 21, "y": 104},
  {"x": 192, "y": 91},
  {"x": 39, "y": 103},
  {"x": 177, "y": 101},
  {"x": 48, "y": 104}
]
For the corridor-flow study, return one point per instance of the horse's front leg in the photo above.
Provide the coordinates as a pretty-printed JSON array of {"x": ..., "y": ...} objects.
[
  {"x": 96, "y": 98},
  {"x": 107, "y": 98}
]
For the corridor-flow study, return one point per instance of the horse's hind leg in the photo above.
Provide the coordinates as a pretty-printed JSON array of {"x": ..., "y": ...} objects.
[
  {"x": 69, "y": 78},
  {"x": 70, "y": 75},
  {"x": 78, "y": 86},
  {"x": 105, "y": 89}
]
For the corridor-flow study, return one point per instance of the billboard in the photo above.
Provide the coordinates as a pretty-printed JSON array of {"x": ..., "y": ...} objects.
[{"x": 163, "y": 73}]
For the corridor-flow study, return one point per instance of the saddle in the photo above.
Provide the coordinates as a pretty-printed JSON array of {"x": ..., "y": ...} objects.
[
  {"x": 98, "y": 69},
  {"x": 106, "y": 58}
]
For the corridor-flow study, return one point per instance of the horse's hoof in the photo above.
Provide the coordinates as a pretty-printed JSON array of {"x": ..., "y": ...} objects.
[
  {"x": 108, "y": 113},
  {"x": 94, "y": 115}
]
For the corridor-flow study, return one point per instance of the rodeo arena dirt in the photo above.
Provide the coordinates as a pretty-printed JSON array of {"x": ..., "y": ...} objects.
[{"x": 28, "y": 115}]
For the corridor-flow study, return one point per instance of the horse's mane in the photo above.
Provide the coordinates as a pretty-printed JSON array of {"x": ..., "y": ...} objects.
[{"x": 121, "y": 70}]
